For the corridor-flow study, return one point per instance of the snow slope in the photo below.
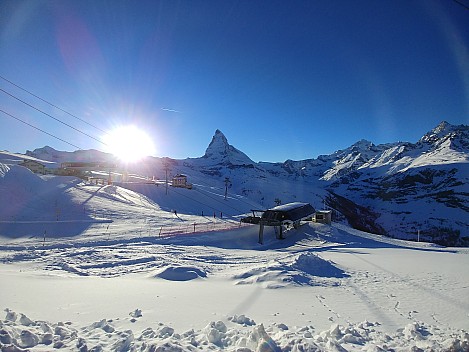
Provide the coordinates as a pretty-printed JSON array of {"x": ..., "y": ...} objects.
[
  {"x": 400, "y": 189},
  {"x": 120, "y": 284},
  {"x": 323, "y": 289},
  {"x": 35, "y": 207},
  {"x": 15, "y": 158}
]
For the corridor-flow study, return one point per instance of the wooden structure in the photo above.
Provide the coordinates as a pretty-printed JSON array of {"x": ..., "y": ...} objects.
[
  {"x": 83, "y": 169},
  {"x": 180, "y": 180},
  {"x": 88, "y": 166},
  {"x": 290, "y": 214}
]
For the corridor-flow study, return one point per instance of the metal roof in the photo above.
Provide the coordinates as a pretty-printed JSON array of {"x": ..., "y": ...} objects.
[{"x": 289, "y": 206}]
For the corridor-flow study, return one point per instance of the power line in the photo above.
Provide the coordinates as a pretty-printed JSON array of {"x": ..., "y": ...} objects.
[
  {"x": 73, "y": 145},
  {"x": 209, "y": 206},
  {"x": 52, "y": 117},
  {"x": 193, "y": 199},
  {"x": 51, "y": 104},
  {"x": 460, "y": 3},
  {"x": 225, "y": 204},
  {"x": 37, "y": 128},
  {"x": 202, "y": 181},
  {"x": 219, "y": 201},
  {"x": 76, "y": 129}
]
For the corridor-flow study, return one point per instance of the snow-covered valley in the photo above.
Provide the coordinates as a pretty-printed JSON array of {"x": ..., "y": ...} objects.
[
  {"x": 401, "y": 189},
  {"x": 138, "y": 266},
  {"x": 118, "y": 270},
  {"x": 322, "y": 289}
]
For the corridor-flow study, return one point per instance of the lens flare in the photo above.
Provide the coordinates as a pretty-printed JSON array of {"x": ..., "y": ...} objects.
[{"x": 129, "y": 143}]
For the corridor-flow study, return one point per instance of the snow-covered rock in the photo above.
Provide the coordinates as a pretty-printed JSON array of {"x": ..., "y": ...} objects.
[{"x": 219, "y": 151}]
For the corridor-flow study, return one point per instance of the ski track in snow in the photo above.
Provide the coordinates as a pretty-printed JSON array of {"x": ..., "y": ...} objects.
[
  {"x": 272, "y": 268},
  {"x": 323, "y": 288}
]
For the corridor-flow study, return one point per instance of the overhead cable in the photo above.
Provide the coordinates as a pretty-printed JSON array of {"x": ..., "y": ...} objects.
[
  {"x": 51, "y": 104},
  {"x": 219, "y": 201},
  {"x": 37, "y": 128},
  {"x": 460, "y": 3},
  {"x": 52, "y": 117},
  {"x": 201, "y": 180}
]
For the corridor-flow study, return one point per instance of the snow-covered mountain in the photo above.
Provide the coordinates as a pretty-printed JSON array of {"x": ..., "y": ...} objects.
[
  {"x": 351, "y": 290},
  {"x": 401, "y": 189},
  {"x": 50, "y": 154},
  {"x": 415, "y": 188},
  {"x": 219, "y": 152}
]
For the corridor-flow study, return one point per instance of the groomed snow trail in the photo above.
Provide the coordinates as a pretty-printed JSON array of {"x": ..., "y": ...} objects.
[{"x": 322, "y": 289}]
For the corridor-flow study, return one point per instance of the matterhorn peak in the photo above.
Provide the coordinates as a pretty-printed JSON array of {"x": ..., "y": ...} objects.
[
  {"x": 219, "y": 150},
  {"x": 219, "y": 136}
]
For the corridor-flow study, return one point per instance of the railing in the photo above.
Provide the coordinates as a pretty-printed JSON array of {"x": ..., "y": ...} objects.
[{"x": 192, "y": 228}]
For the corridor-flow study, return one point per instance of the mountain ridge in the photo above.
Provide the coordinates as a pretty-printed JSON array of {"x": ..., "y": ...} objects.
[{"x": 398, "y": 188}]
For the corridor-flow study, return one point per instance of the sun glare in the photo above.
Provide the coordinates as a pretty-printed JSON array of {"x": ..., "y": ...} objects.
[{"x": 129, "y": 143}]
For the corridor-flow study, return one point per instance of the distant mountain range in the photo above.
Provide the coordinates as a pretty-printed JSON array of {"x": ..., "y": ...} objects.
[{"x": 404, "y": 190}]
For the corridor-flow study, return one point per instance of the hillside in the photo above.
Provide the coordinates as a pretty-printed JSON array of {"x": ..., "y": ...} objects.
[
  {"x": 141, "y": 267},
  {"x": 37, "y": 207},
  {"x": 323, "y": 288},
  {"x": 401, "y": 189}
]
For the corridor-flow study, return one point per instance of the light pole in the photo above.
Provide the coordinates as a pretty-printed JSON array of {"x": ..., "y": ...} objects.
[
  {"x": 227, "y": 182},
  {"x": 166, "y": 169}
]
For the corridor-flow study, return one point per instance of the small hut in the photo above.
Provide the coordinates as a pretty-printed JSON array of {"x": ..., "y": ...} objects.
[
  {"x": 323, "y": 216},
  {"x": 180, "y": 180}
]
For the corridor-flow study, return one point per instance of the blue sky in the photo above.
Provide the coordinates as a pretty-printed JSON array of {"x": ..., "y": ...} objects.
[{"x": 281, "y": 79}]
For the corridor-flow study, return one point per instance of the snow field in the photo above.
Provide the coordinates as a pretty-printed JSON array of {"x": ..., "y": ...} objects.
[
  {"x": 325, "y": 289},
  {"x": 116, "y": 285}
]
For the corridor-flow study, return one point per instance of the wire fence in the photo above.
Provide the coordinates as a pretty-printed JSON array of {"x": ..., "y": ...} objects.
[{"x": 193, "y": 228}]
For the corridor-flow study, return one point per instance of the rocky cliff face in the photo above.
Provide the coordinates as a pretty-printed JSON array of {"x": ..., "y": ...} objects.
[
  {"x": 423, "y": 188},
  {"x": 220, "y": 160},
  {"x": 219, "y": 152}
]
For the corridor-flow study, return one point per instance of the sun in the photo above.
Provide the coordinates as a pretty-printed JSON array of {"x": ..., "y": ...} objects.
[{"x": 129, "y": 143}]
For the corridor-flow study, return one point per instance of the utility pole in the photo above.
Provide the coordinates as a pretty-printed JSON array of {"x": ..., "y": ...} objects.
[
  {"x": 227, "y": 182},
  {"x": 166, "y": 169}
]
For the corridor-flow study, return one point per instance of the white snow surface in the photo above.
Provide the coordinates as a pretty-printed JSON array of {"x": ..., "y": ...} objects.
[
  {"x": 7, "y": 157},
  {"x": 105, "y": 268}
]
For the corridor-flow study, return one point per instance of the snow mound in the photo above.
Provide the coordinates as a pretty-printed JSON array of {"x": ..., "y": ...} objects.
[
  {"x": 14, "y": 177},
  {"x": 3, "y": 170},
  {"x": 181, "y": 273},
  {"x": 242, "y": 319},
  {"x": 137, "y": 313},
  {"x": 103, "y": 335},
  {"x": 312, "y": 264},
  {"x": 304, "y": 269}
]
